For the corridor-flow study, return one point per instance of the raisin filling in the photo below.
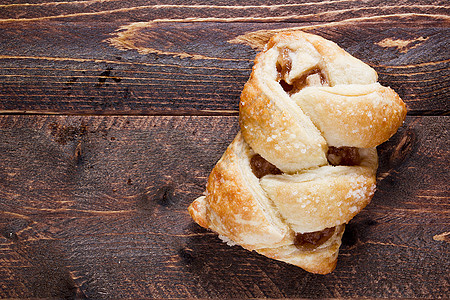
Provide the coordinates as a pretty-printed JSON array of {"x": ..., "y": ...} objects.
[
  {"x": 261, "y": 167},
  {"x": 312, "y": 240},
  {"x": 343, "y": 156}
]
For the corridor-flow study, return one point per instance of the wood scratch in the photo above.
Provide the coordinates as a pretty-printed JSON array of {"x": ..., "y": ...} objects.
[
  {"x": 432, "y": 197},
  {"x": 237, "y": 7},
  {"x": 403, "y": 46},
  {"x": 93, "y": 60},
  {"x": 425, "y": 64},
  {"x": 232, "y": 19},
  {"x": 87, "y": 211},
  {"x": 412, "y": 210},
  {"x": 298, "y": 17},
  {"x": 16, "y": 215},
  {"x": 149, "y": 233},
  {"x": 443, "y": 237},
  {"x": 132, "y": 36},
  {"x": 392, "y": 245}
]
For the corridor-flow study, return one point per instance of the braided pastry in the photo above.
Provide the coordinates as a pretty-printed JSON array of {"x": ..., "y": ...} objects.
[{"x": 304, "y": 162}]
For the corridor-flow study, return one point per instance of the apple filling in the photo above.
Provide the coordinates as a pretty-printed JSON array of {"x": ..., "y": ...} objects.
[
  {"x": 313, "y": 77},
  {"x": 346, "y": 156},
  {"x": 343, "y": 156},
  {"x": 312, "y": 240},
  {"x": 261, "y": 167}
]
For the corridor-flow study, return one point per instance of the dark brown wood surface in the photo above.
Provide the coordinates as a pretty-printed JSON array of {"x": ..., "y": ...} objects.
[{"x": 113, "y": 113}]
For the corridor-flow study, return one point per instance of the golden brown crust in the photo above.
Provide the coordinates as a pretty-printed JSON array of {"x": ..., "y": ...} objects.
[
  {"x": 198, "y": 211},
  {"x": 323, "y": 197},
  {"x": 235, "y": 205},
  {"x": 288, "y": 140},
  {"x": 362, "y": 116},
  {"x": 322, "y": 260},
  {"x": 305, "y": 94}
]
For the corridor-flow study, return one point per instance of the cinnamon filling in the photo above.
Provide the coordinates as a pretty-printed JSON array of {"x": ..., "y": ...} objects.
[
  {"x": 311, "y": 240},
  {"x": 343, "y": 156},
  {"x": 314, "y": 77},
  {"x": 261, "y": 167}
]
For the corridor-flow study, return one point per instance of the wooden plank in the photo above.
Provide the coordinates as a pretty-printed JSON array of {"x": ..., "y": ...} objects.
[
  {"x": 96, "y": 207},
  {"x": 194, "y": 59},
  {"x": 232, "y": 11}
]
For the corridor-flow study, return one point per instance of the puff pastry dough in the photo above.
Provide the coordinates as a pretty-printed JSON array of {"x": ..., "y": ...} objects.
[{"x": 304, "y": 162}]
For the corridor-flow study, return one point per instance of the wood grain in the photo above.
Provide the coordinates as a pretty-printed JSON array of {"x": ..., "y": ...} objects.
[
  {"x": 232, "y": 11},
  {"x": 95, "y": 207},
  {"x": 141, "y": 57},
  {"x": 113, "y": 113}
]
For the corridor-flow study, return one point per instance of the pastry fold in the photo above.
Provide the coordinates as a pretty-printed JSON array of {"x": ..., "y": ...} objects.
[
  {"x": 236, "y": 206},
  {"x": 304, "y": 162}
]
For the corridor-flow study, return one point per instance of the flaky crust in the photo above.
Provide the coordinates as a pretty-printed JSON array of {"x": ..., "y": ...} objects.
[
  {"x": 322, "y": 260},
  {"x": 354, "y": 115},
  {"x": 323, "y": 197},
  {"x": 236, "y": 206},
  {"x": 305, "y": 94}
]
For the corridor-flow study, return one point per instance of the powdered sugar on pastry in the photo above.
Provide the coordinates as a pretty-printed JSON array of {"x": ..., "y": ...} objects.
[{"x": 304, "y": 163}]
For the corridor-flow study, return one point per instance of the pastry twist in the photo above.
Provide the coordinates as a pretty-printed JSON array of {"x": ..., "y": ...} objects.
[{"x": 304, "y": 162}]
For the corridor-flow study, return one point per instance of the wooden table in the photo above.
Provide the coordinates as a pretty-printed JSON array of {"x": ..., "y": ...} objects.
[{"x": 113, "y": 113}]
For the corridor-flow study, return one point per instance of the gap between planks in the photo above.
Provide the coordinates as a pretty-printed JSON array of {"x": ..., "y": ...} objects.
[{"x": 208, "y": 113}]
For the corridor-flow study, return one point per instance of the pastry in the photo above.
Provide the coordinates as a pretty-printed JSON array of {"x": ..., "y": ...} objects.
[{"x": 304, "y": 161}]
